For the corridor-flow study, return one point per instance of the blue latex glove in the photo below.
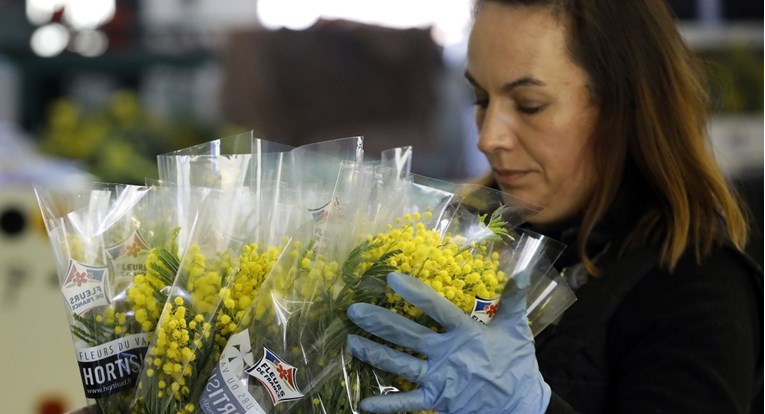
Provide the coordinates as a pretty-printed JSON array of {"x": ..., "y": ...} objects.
[{"x": 470, "y": 368}]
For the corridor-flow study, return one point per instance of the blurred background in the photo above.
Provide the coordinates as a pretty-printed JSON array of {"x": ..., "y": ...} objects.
[{"x": 95, "y": 89}]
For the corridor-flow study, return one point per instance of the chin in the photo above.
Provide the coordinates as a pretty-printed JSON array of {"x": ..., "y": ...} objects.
[
  {"x": 547, "y": 220},
  {"x": 540, "y": 222},
  {"x": 528, "y": 209}
]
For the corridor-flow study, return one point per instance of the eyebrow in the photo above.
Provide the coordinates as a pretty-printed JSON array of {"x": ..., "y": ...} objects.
[{"x": 522, "y": 81}]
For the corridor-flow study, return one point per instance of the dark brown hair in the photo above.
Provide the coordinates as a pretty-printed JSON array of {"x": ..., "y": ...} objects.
[{"x": 651, "y": 135}]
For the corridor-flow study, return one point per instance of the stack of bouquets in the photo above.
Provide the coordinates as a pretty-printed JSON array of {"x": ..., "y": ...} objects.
[{"x": 223, "y": 286}]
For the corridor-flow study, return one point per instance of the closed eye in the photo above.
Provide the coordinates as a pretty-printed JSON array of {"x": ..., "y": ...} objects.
[{"x": 530, "y": 110}]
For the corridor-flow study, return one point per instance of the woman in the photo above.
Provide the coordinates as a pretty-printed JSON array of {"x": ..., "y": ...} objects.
[{"x": 596, "y": 110}]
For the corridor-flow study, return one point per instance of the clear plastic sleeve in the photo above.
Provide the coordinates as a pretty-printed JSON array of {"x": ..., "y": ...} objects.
[
  {"x": 236, "y": 239},
  {"x": 226, "y": 164},
  {"x": 239, "y": 233},
  {"x": 291, "y": 357},
  {"x": 105, "y": 238}
]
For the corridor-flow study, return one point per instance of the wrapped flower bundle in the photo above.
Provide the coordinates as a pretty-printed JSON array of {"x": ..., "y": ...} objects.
[
  {"x": 226, "y": 261},
  {"x": 471, "y": 272},
  {"x": 228, "y": 255},
  {"x": 292, "y": 357},
  {"x": 104, "y": 239},
  {"x": 226, "y": 282}
]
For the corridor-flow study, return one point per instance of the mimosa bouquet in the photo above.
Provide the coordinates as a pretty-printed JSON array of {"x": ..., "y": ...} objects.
[
  {"x": 237, "y": 235},
  {"x": 291, "y": 356},
  {"x": 226, "y": 260},
  {"x": 104, "y": 239}
]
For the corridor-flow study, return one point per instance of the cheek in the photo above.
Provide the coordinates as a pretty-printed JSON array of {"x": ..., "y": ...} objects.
[
  {"x": 576, "y": 181},
  {"x": 568, "y": 168},
  {"x": 568, "y": 183},
  {"x": 569, "y": 154},
  {"x": 572, "y": 167}
]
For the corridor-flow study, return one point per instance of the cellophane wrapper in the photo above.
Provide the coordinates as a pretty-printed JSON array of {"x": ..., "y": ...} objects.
[
  {"x": 105, "y": 238},
  {"x": 464, "y": 241},
  {"x": 228, "y": 164},
  {"x": 238, "y": 234}
]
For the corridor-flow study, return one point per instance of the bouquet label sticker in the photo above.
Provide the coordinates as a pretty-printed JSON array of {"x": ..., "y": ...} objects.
[
  {"x": 484, "y": 309},
  {"x": 113, "y": 366},
  {"x": 84, "y": 287},
  {"x": 129, "y": 258},
  {"x": 225, "y": 392},
  {"x": 277, "y": 376}
]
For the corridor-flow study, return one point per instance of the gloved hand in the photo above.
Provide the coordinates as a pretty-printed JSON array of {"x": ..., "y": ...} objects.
[{"x": 470, "y": 368}]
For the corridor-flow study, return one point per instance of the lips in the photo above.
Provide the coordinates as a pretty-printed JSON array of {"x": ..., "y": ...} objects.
[{"x": 509, "y": 178}]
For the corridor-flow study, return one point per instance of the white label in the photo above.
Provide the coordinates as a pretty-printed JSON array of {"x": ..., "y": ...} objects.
[
  {"x": 484, "y": 309},
  {"x": 85, "y": 287},
  {"x": 277, "y": 376},
  {"x": 113, "y": 366},
  {"x": 226, "y": 390},
  {"x": 128, "y": 259}
]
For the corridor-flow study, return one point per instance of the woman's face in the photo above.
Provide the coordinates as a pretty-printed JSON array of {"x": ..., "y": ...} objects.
[{"x": 534, "y": 113}]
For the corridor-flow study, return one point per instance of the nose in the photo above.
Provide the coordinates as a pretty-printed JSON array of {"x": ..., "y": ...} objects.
[{"x": 495, "y": 130}]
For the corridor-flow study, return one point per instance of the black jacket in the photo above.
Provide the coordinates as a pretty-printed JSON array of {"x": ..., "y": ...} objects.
[{"x": 642, "y": 340}]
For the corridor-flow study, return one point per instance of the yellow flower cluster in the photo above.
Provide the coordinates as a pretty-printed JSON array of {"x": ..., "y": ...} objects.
[
  {"x": 169, "y": 363},
  {"x": 303, "y": 274},
  {"x": 193, "y": 328},
  {"x": 76, "y": 247},
  {"x": 241, "y": 288},
  {"x": 316, "y": 272},
  {"x": 144, "y": 294},
  {"x": 116, "y": 321},
  {"x": 203, "y": 283},
  {"x": 458, "y": 270}
]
